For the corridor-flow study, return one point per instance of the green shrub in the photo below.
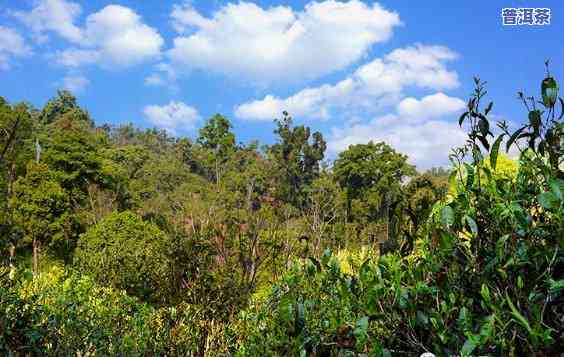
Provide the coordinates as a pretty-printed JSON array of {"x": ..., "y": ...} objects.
[
  {"x": 125, "y": 252},
  {"x": 63, "y": 313}
]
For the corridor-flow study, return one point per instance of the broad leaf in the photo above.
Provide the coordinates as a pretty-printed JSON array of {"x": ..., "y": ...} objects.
[
  {"x": 484, "y": 126},
  {"x": 549, "y": 89},
  {"x": 535, "y": 119},
  {"x": 513, "y": 137},
  {"x": 447, "y": 216},
  {"x": 547, "y": 200},
  {"x": 495, "y": 150},
  {"x": 557, "y": 187},
  {"x": 462, "y": 117},
  {"x": 361, "y": 326},
  {"x": 472, "y": 224}
]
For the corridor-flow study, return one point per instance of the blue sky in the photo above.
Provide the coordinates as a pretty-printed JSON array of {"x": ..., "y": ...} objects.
[{"x": 397, "y": 71}]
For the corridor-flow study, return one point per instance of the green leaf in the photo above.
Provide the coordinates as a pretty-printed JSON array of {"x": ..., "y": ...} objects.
[
  {"x": 484, "y": 126},
  {"x": 547, "y": 200},
  {"x": 556, "y": 287},
  {"x": 469, "y": 346},
  {"x": 484, "y": 141},
  {"x": 462, "y": 117},
  {"x": 557, "y": 187},
  {"x": 452, "y": 178},
  {"x": 422, "y": 319},
  {"x": 472, "y": 224},
  {"x": 549, "y": 90},
  {"x": 485, "y": 292},
  {"x": 487, "y": 329},
  {"x": 489, "y": 108},
  {"x": 470, "y": 173},
  {"x": 495, "y": 150},
  {"x": 520, "y": 319},
  {"x": 447, "y": 216},
  {"x": 361, "y": 327},
  {"x": 535, "y": 119},
  {"x": 513, "y": 137}
]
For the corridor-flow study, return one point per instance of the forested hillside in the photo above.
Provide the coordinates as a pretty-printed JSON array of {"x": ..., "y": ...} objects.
[{"x": 123, "y": 241}]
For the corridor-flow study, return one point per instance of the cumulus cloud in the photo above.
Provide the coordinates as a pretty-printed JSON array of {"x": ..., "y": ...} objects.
[
  {"x": 173, "y": 117},
  {"x": 76, "y": 83},
  {"x": 11, "y": 45},
  {"x": 426, "y": 142},
  {"x": 372, "y": 86},
  {"x": 113, "y": 36},
  {"x": 278, "y": 43},
  {"x": 120, "y": 37},
  {"x": 52, "y": 15},
  {"x": 430, "y": 106}
]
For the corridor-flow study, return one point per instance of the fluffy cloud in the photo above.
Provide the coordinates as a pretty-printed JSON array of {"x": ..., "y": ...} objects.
[
  {"x": 113, "y": 36},
  {"x": 430, "y": 106},
  {"x": 120, "y": 37},
  {"x": 52, "y": 15},
  {"x": 372, "y": 86},
  {"x": 414, "y": 129},
  {"x": 75, "y": 82},
  {"x": 278, "y": 43},
  {"x": 173, "y": 117},
  {"x": 11, "y": 45}
]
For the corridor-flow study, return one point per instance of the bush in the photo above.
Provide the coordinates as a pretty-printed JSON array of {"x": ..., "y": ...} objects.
[
  {"x": 125, "y": 252},
  {"x": 64, "y": 313}
]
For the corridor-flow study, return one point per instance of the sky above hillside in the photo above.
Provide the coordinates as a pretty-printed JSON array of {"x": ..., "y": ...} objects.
[{"x": 394, "y": 71}]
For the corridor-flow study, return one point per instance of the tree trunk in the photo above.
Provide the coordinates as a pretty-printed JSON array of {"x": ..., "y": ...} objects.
[{"x": 36, "y": 250}]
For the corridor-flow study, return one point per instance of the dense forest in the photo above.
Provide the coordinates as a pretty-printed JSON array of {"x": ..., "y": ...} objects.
[{"x": 122, "y": 241}]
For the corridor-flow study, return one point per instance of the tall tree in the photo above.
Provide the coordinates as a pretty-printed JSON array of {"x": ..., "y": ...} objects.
[
  {"x": 16, "y": 125},
  {"x": 71, "y": 149},
  {"x": 41, "y": 209},
  {"x": 216, "y": 136},
  {"x": 62, "y": 104},
  {"x": 297, "y": 157},
  {"x": 372, "y": 176}
]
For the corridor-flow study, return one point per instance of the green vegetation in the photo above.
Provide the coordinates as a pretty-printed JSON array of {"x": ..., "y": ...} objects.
[{"x": 120, "y": 241}]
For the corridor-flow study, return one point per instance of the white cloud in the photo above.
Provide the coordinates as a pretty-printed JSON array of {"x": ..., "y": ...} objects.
[
  {"x": 113, "y": 36},
  {"x": 52, "y": 15},
  {"x": 173, "y": 117},
  {"x": 120, "y": 37},
  {"x": 419, "y": 134},
  {"x": 372, "y": 86},
  {"x": 430, "y": 106},
  {"x": 277, "y": 43},
  {"x": 75, "y": 57},
  {"x": 76, "y": 83},
  {"x": 11, "y": 45}
]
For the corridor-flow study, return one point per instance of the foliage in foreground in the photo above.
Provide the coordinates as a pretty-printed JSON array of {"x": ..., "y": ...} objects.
[
  {"x": 65, "y": 313},
  {"x": 486, "y": 278}
]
